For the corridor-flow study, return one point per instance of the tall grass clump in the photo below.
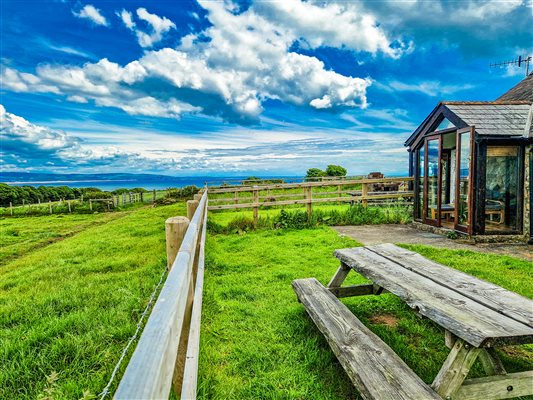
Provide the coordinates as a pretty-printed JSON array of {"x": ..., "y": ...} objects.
[{"x": 299, "y": 219}]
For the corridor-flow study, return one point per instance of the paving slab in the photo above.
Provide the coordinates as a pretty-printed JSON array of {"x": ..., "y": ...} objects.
[{"x": 407, "y": 234}]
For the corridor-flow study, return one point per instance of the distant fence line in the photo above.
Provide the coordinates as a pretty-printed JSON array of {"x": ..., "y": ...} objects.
[
  {"x": 63, "y": 205},
  {"x": 364, "y": 191}
]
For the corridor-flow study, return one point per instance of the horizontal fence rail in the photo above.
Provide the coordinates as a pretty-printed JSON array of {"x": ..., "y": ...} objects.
[
  {"x": 166, "y": 356},
  {"x": 363, "y": 190}
]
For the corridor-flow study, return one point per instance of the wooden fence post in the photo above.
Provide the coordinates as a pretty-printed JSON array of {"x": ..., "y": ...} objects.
[
  {"x": 90, "y": 204},
  {"x": 153, "y": 200},
  {"x": 191, "y": 208},
  {"x": 69, "y": 208},
  {"x": 23, "y": 202},
  {"x": 175, "y": 229},
  {"x": 11, "y": 208},
  {"x": 256, "y": 206},
  {"x": 142, "y": 197},
  {"x": 236, "y": 197},
  {"x": 364, "y": 194},
  {"x": 309, "y": 197}
]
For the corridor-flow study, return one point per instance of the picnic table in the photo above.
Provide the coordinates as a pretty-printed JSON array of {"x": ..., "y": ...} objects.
[{"x": 477, "y": 316}]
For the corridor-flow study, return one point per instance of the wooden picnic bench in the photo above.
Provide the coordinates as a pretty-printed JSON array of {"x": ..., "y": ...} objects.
[{"x": 476, "y": 316}]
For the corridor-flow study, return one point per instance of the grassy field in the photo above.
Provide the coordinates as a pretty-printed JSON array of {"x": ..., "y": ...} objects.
[
  {"x": 258, "y": 342},
  {"x": 19, "y": 236},
  {"x": 68, "y": 308},
  {"x": 72, "y": 288}
]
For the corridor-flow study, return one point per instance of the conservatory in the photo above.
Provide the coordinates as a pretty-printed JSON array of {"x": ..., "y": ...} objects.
[{"x": 472, "y": 164}]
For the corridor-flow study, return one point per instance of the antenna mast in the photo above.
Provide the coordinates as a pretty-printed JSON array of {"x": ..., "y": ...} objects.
[{"x": 519, "y": 61}]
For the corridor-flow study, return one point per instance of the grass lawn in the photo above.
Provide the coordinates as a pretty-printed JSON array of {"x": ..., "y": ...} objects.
[
  {"x": 257, "y": 341},
  {"x": 19, "y": 236},
  {"x": 68, "y": 309}
]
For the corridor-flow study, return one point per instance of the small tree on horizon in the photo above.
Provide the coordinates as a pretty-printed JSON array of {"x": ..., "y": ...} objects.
[
  {"x": 315, "y": 173},
  {"x": 335, "y": 170}
]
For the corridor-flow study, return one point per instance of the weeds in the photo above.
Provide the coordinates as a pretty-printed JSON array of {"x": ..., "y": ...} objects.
[{"x": 299, "y": 219}]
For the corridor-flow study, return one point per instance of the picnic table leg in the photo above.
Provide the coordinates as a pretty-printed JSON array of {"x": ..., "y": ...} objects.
[
  {"x": 489, "y": 358},
  {"x": 491, "y": 362},
  {"x": 455, "y": 369},
  {"x": 339, "y": 276}
]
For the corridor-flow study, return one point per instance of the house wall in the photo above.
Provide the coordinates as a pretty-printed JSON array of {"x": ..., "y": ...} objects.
[{"x": 527, "y": 192}]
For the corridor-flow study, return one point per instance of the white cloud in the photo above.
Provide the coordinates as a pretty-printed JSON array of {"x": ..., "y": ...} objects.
[
  {"x": 15, "y": 127},
  {"x": 341, "y": 24},
  {"x": 158, "y": 26},
  {"x": 91, "y": 13},
  {"x": 241, "y": 60},
  {"x": 233, "y": 151},
  {"x": 127, "y": 18},
  {"x": 482, "y": 10},
  {"x": 429, "y": 88}
]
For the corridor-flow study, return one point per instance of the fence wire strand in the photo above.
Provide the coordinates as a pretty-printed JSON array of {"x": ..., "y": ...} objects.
[{"x": 105, "y": 392}]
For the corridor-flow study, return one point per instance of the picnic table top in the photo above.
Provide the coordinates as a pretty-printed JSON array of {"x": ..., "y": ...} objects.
[{"x": 479, "y": 312}]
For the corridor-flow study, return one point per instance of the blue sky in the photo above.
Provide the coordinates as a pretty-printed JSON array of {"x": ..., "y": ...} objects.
[{"x": 233, "y": 88}]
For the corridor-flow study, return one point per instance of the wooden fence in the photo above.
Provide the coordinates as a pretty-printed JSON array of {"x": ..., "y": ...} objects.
[
  {"x": 365, "y": 191},
  {"x": 64, "y": 205},
  {"x": 166, "y": 356}
]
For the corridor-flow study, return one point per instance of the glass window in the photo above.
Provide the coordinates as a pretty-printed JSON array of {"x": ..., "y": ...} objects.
[
  {"x": 464, "y": 179},
  {"x": 502, "y": 186},
  {"x": 445, "y": 124},
  {"x": 432, "y": 178}
]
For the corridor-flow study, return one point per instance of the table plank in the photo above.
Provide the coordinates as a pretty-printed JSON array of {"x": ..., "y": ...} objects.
[
  {"x": 493, "y": 296},
  {"x": 474, "y": 322}
]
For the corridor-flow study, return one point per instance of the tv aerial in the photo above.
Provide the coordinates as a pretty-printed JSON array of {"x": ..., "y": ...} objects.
[{"x": 519, "y": 62}]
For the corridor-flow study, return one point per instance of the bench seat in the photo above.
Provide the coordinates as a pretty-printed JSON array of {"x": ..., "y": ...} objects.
[{"x": 373, "y": 367}]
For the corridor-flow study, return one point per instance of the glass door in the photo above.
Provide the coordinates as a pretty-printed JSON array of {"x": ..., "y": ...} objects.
[
  {"x": 432, "y": 181},
  {"x": 463, "y": 181}
]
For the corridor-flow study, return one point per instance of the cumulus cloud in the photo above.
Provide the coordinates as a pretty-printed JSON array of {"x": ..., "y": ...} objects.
[
  {"x": 231, "y": 68},
  {"x": 13, "y": 127},
  {"x": 25, "y": 144},
  {"x": 93, "y": 14},
  {"x": 157, "y": 26},
  {"x": 471, "y": 26},
  {"x": 336, "y": 24}
]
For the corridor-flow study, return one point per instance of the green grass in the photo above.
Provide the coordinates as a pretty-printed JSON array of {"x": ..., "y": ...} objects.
[
  {"x": 257, "y": 341},
  {"x": 509, "y": 272},
  {"x": 68, "y": 309},
  {"x": 19, "y": 236}
]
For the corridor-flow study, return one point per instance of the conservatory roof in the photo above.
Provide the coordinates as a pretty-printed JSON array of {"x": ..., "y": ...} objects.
[{"x": 490, "y": 118}]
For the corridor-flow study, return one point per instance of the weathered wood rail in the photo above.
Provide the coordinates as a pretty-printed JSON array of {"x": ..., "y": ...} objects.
[
  {"x": 166, "y": 356},
  {"x": 273, "y": 194}
]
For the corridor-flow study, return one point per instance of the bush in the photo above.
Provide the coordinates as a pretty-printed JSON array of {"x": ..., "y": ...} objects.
[{"x": 173, "y": 195}]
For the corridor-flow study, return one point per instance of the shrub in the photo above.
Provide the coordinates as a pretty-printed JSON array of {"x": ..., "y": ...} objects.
[{"x": 298, "y": 219}]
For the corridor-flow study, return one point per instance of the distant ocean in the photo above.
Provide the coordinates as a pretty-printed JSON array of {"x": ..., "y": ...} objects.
[{"x": 110, "y": 182}]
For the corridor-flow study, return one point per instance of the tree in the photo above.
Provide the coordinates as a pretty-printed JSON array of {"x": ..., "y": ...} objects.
[
  {"x": 314, "y": 173},
  {"x": 335, "y": 170}
]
